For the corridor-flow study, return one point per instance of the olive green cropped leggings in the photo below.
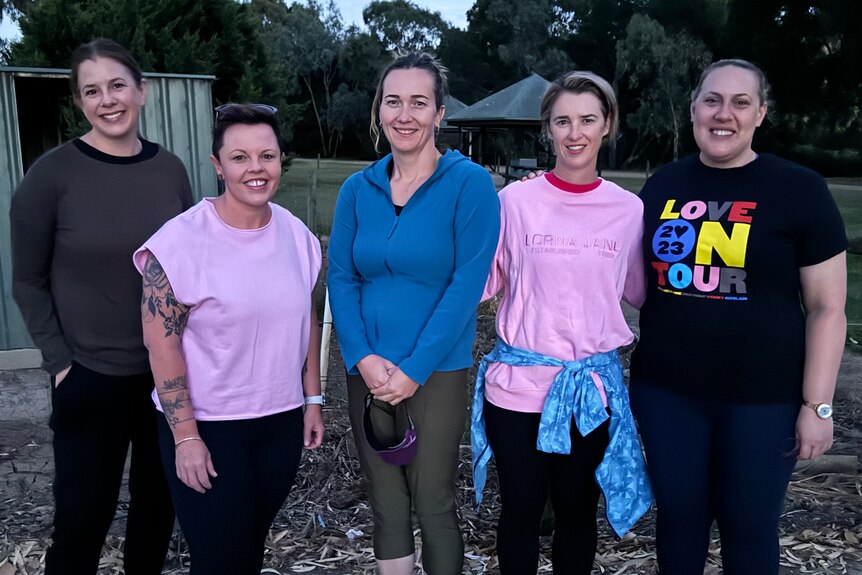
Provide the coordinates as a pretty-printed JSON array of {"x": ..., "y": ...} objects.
[{"x": 427, "y": 484}]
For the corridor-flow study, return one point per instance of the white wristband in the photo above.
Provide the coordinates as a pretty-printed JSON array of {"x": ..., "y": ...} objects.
[{"x": 314, "y": 400}]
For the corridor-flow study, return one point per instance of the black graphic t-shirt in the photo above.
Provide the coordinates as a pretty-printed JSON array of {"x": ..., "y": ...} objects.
[{"x": 723, "y": 316}]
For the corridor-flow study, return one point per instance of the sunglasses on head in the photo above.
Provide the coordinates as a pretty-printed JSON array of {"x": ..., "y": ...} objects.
[{"x": 225, "y": 109}]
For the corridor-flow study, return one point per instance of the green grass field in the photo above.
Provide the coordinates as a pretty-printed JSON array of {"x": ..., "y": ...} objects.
[
  {"x": 295, "y": 184},
  {"x": 627, "y": 180},
  {"x": 850, "y": 204}
]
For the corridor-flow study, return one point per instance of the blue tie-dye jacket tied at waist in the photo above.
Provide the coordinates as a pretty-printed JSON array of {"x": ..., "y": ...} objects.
[{"x": 622, "y": 473}]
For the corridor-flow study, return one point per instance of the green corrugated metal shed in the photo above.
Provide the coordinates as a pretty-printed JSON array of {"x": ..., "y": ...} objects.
[{"x": 178, "y": 115}]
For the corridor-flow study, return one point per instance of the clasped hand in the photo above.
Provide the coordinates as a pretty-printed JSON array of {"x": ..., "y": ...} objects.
[{"x": 385, "y": 380}]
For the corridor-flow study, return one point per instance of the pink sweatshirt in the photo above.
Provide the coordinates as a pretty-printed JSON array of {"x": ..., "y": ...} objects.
[
  {"x": 249, "y": 298},
  {"x": 564, "y": 261}
]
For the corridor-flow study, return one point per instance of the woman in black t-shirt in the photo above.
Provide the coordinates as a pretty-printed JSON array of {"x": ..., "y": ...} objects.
[{"x": 733, "y": 379}]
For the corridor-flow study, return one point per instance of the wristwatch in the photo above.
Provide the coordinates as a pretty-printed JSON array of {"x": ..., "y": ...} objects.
[
  {"x": 823, "y": 410},
  {"x": 315, "y": 400}
]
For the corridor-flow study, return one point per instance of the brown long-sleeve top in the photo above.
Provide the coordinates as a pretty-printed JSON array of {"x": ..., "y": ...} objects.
[{"x": 76, "y": 219}]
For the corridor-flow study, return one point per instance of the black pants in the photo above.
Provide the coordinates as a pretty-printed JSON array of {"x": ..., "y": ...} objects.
[
  {"x": 95, "y": 417},
  {"x": 256, "y": 461},
  {"x": 526, "y": 475},
  {"x": 716, "y": 461}
]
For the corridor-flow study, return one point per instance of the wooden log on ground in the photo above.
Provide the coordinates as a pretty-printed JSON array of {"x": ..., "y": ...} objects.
[{"x": 845, "y": 464}]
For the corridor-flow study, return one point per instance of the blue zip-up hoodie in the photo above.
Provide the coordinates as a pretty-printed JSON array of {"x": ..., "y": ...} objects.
[{"x": 406, "y": 287}]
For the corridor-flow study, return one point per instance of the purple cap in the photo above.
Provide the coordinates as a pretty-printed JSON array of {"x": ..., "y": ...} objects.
[{"x": 401, "y": 454}]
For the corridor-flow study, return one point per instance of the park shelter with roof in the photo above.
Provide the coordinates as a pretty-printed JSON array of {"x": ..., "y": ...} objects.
[
  {"x": 449, "y": 137},
  {"x": 453, "y": 106},
  {"x": 515, "y": 107},
  {"x": 178, "y": 115}
]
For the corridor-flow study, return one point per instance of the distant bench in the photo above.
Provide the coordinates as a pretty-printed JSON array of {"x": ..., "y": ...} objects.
[{"x": 520, "y": 167}]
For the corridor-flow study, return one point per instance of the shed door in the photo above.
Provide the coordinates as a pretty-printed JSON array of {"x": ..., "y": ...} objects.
[{"x": 31, "y": 123}]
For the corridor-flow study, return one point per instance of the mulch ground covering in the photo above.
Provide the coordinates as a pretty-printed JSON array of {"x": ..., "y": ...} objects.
[{"x": 325, "y": 527}]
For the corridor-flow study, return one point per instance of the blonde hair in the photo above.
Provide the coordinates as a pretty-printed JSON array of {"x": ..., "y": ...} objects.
[
  {"x": 763, "y": 87},
  {"x": 420, "y": 60},
  {"x": 581, "y": 82}
]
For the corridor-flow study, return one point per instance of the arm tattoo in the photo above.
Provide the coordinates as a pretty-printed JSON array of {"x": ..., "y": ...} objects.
[
  {"x": 171, "y": 406},
  {"x": 175, "y": 384},
  {"x": 158, "y": 300}
]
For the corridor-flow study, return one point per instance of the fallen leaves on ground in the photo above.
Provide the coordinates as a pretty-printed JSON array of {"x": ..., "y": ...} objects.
[{"x": 821, "y": 527}]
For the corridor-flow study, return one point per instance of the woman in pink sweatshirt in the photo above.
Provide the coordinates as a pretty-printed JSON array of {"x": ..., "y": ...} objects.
[{"x": 550, "y": 396}]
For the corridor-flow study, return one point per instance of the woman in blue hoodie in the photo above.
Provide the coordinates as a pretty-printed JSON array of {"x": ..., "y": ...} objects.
[{"x": 412, "y": 242}]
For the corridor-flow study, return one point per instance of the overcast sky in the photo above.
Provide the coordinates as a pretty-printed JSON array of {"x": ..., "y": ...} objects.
[
  {"x": 453, "y": 11},
  {"x": 8, "y": 29}
]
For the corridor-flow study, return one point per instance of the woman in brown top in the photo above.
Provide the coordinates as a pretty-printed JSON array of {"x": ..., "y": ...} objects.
[{"x": 77, "y": 217}]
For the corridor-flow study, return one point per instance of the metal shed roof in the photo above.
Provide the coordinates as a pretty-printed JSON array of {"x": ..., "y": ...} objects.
[{"x": 66, "y": 72}]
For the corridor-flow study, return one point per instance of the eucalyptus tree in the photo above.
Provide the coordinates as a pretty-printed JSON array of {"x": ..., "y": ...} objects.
[
  {"x": 402, "y": 25},
  {"x": 216, "y": 37},
  {"x": 662, "y": 68}
]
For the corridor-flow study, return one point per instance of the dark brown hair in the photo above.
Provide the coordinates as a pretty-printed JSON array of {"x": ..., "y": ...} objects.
[
  {"x": 249, "y": 114},
  {"x": 103, "y": 48}
]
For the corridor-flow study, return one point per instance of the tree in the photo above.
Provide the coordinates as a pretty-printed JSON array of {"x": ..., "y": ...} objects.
[
  {"x": 522, "y": 36},
  {"x": 348, "y": 110},
  {"x": 598, "y": 25},
  {"x": 515, "y": 38},
  {"x": 704, "y": 19},
  {"x": 270, "y": 17},
  {"x": 402, "y": 25},
  {"x": 810, "y": 51},
  {"x": 11, "y": 8},
  {"x": 179, "y": 36},
  {"x": 361, "y": 59},
  {"x": 308, "y": 43},
  {"x": 665, "y": 68},
  {"x": 471, "y": 74},
  {"x": 4, "y": 51}
]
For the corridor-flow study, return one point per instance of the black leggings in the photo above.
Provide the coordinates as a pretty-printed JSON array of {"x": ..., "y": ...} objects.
[
  {"x": 95, "y": 418},
  {"x": 256, "y": 461},
  {"x": 526, "y": 475},
  {"x": 713, "y": 460}
]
